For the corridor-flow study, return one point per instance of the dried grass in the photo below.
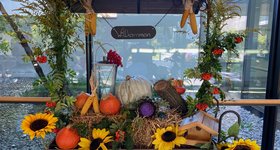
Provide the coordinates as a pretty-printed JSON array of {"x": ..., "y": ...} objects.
[
  {"x": 94, "y": 118},
  {"x": 144, "y": 128}
]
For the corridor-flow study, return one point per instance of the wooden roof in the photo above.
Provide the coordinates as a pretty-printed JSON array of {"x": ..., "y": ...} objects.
[
  {"x": 203, "y": 121},
  {"x": 130, "y": 6}
]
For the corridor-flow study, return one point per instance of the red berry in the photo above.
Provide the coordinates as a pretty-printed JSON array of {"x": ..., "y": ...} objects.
[
  {"x": 41, "y": 59},
  {"x": 218, "y": 51},
  {"x": 238, "y": 40},
  {"x": 50, "y": 104},
  {"x": 201, "y": 106},
  {"x": 120, "y": 135},
  {"x": 206, "y": 76},
  {"x": 114, "y": 58},
  {"x": 216, "y": 91}
]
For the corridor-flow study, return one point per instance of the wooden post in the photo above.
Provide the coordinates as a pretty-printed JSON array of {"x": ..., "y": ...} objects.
[
  {"x": 23, "y": 42},
  {"x": 167, "y": 92}
]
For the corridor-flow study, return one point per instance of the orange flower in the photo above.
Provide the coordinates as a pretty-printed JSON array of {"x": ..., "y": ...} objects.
[
  {"x": 218, "y": 51},
  {"x": 206, "y": 76},
  {"x": 238, "y": 40},
  {"x": 201, "y": 106},
  {"x": 216, "y": 91}
]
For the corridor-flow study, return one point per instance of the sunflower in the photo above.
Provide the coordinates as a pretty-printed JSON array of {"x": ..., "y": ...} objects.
[
  {"x": 222, "y": 146},
  {"x": 167, "y": 138},
  {"x": 38, "y": 124},
  {"x": 243, "y": 145},
  {"x": 100, "y": 138}
]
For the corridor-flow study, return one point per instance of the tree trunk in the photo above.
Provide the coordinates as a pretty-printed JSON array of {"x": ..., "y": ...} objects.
[
  {"x": 23, "y": 42},
  {"x": 165, "y": 90}
]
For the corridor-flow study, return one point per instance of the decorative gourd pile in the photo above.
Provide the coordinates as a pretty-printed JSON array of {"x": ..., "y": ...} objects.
[{"x": 131, "y": 106}]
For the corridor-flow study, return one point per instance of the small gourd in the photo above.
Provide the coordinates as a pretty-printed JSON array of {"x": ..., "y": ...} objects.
[
  {"x": 67, "y": 138},
  {"x": 81, "y": 99},
  {"x": 133, "y": 89},
  {"x": 146, "y": 108},
  {"x": 110, "y": 105}
]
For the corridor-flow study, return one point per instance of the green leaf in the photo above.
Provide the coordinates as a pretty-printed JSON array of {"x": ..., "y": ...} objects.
[
  {"x": 58, "y": 106},
  {"x": 234, "y": 130},
  {"x": 206, "y": 146},
  {"x": 128, "y": 142},
  {"x": 72, "y": 73},
  {"x": 26, "y": 58},
  {"x": 82, "y": 129},
  {"x": 37, "y": 82}
]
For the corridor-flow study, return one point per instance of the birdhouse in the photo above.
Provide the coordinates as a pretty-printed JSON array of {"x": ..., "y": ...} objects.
[{"x": 200, "y": 128}]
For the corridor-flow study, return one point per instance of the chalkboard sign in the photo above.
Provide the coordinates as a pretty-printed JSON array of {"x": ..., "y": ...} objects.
[{"x": 133, "y": 32}]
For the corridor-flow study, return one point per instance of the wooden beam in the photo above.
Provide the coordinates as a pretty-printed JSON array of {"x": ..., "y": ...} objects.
[
  {"x": 24, "y": 99},
  {"x": 250, "y": 102},
  {"x": 241, "y": 102},
  {"x": 130, "y": 6}
]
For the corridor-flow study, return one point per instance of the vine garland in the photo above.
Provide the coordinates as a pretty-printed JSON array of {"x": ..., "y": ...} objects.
[
  {"x": 56, "y": 26},
  {"x": 217, "y": 43}
]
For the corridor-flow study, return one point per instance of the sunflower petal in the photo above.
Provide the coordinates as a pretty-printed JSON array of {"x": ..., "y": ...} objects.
[
  {"x": 84, "y": 143},
  {"x": 103, "y": 133},
  {"x": 102, "y": 145},
  {"x": 180, "y": 140},
  {"x": 169, "y": 128},
  {"x": 108, "y": 139}
]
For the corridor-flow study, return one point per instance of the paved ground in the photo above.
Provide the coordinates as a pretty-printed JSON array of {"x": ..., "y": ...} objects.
[{"x": 12, "y": 115}]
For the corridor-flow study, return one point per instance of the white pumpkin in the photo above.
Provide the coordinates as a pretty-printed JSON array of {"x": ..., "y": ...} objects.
[{"x": 133, "y": 89}]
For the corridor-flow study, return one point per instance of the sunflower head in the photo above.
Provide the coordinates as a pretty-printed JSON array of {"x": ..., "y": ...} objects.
[
  {"x": 100, "y": 138},
  {"x": 168, "y": 138},
  {"x": 244, "y": 145},
  {"x": 38, "y": 124}
]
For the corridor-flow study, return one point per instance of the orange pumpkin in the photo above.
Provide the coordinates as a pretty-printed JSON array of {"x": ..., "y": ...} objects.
[
  {"x": 67, "y": 138},
  {"x": 81, "y": 99},
  {"x": 110, "y": 105}
]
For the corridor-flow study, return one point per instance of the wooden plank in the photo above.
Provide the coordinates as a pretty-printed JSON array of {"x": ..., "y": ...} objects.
[
  {"x": 24, "y": 99},
  {"x": 250, "y": 102},
  {"x": 241, "y": 102},
  {"x": 208, "y": 129},
  {"x": 194, "y": 142},
  {"x": 188, "y": 126},
  {"x": 209, "y": 116}
]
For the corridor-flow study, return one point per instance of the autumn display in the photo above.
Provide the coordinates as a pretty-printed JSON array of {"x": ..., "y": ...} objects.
[{"x": 139, "y": 113}]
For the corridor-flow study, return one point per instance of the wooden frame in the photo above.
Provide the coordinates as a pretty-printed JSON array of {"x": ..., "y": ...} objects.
[
  {"x": 241, "y": 102},
  {"x": 9, "y": 99},
  {"x": 251, "y": 102}
]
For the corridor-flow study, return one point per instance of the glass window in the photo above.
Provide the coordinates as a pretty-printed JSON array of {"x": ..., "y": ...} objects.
[{"x": 167, "y": 55}]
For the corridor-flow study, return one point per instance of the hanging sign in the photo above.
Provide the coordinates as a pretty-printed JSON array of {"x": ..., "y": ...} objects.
[{"x": 133, "y": 32}]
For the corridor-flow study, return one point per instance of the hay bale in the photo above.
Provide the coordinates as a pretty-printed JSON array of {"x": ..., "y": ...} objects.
[{"x": 144, "y": 128}]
